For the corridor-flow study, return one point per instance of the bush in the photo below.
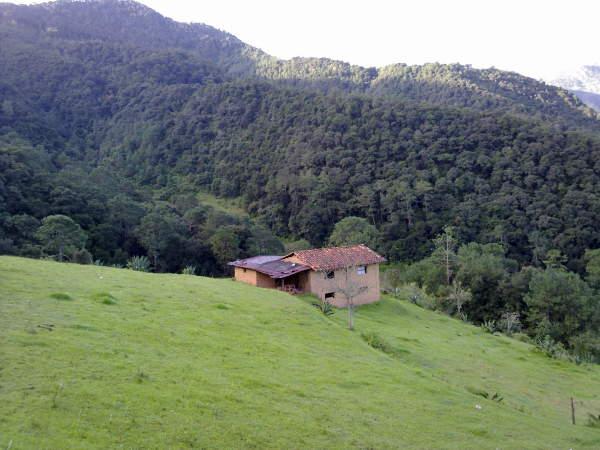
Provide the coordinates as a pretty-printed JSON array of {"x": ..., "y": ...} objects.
[
  {"x": 551, "y": 348},
  {"x": 189, "y": 270},
  {"x": 139, "y": 263},
  {"x": 61, "y": 296},
  {"x": 106, "y": 298},
  {"x": 325, "y": 307},
  {"x": 522, "y": 337},
  {"x": 496, "y": 397},
  {"x": 82, "y": 256},
  {"x": 593, "y": 420},
  {"x": 417, "y": 297},
  {"x": 377, "y": 342},
  {"x": 586, "y": 347},
  {"x": 489, "y": 326},
  {"x": 510, "y": 323}
]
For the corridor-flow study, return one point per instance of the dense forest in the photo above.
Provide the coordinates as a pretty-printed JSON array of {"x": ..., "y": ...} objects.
[{"x": 116, "y": 117}]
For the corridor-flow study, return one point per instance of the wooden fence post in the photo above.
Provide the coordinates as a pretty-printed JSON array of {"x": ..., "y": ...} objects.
[{"x": 572, "y": 411}]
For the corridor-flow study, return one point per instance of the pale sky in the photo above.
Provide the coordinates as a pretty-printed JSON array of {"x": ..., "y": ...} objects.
[{"x": 534, "y": 37}]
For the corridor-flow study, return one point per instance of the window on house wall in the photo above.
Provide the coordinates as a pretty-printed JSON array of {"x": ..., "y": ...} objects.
[
  {"x": 244, "y": 270},
  {"x": 329, "y": 295},
  {"x": 361, "y": 270},
  {"x": 330, "y": 274}
]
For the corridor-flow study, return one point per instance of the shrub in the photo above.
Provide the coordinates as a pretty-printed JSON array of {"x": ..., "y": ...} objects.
[
  {"x": 510, "y": 323},
  {"x": 593, "y": 420},
  {"x": 392, "y": 281},
  {"x": 496, "y": 397},
  {"x": 586, "y": 347},
  {"x": 61, "y": 296},
  {"x": 417, "y": 297},
  {"x": 82, "y": 256},
  {"x": 522, "y": 337},
  {"x": 551, "y": 348},
  {"x": 141, "y": 376},
  {"x": 105, "y": 298},
  {"x": 325, "y": 307},
  {"x": 189, "y": 270},
  {"x": 489, "y": 326},
  {"x": 377, "y": 342},
  {"x": 139, "y": 263}
]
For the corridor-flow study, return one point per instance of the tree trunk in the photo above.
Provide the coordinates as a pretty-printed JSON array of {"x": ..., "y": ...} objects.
[
  {"x": 61, "y": 252},
  {"x": 350, "y": 316},
  {"x": 447, "y": 262}
]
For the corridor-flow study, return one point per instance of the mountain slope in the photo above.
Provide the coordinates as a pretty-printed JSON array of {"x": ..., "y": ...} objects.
[
  {"x": 101, "y": 357},
  {"x": 165, "y": 113}
]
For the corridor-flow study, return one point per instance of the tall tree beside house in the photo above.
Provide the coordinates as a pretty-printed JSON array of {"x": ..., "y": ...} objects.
[
  {"x": 350, "y": 289},
  {"x": 60, "y": 234},
  {"x": 445, "y": 251},
  {"x": 353, "y": 231}
]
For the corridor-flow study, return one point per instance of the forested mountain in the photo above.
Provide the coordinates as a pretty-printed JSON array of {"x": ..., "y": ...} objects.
[
  {"x": 116, "y": 117},
  {"x": 130, "y": 23}
]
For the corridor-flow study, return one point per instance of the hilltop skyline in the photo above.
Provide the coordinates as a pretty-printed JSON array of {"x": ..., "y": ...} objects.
[{"x": 526, "y": 38}]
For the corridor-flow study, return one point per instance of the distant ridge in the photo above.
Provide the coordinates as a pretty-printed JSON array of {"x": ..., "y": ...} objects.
[
  {"x": 129, "y": 22},
  {"x": 585, "y": 83}
]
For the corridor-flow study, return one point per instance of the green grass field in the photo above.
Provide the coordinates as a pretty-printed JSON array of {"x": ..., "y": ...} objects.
[
  {"x": 94, "y": 357},
  {"x": 227, "y": 205}
]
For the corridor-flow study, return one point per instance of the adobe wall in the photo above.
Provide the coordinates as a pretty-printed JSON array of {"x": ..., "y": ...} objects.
[
  {"x": 245, "y": 275},
  {"x": 320, "y": 285},
  {"x": 254, "y": 278},
  {"x": 265, "y": 281}
]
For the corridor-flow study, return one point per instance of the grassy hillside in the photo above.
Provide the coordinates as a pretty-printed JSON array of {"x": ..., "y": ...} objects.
[{"x": 94, "y": 357}]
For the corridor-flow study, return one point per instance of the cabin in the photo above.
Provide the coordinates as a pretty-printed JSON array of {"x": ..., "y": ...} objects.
[{"x": 332, "y": 274}]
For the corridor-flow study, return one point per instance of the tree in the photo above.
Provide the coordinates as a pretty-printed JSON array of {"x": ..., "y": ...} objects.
[
  {"x": 350, "y": 289},
  {"x": 294, "y": 246},
  {"x": 263, "y": 242},
  {"x": 484, "y": 271},
  {"x": 354, "y": 230},
  {"x": 61, "y": 234},
  {"x": 560, "y": 304},
  {"x": 445, "y": 251},
  {"x": 592, "y": 267},
  {"x": 555, "y": 260},
  {"x": 156, "y": 230},
  {"x": 510, "y": 322},
  {"x": 124, "y": 214},
  {"x": 459, "y": 296},
  {"x": 225, "y": 246}
]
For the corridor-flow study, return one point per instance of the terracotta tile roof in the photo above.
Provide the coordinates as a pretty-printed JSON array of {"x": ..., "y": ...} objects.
[
  {"x": 272, "y": 266},
  {"x": 337, "y": 257}
]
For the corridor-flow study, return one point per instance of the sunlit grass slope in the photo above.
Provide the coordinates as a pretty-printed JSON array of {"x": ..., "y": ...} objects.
[{"x": 93, "y": 357}]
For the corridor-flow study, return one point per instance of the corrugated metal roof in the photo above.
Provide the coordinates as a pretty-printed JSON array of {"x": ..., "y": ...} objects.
[{"x": 270, "y": 265}]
